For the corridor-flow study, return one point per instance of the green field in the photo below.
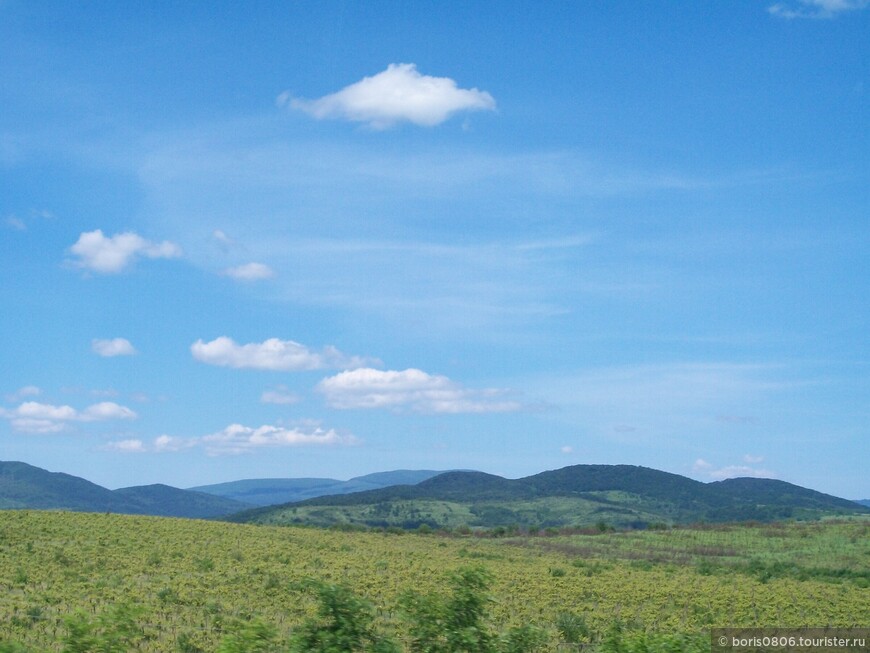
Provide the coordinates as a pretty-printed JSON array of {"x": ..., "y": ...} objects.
[{"x": 195, "y": 585}]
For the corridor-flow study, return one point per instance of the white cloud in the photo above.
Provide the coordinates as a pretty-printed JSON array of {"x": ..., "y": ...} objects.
[
  {"x": 701, "y": 465},
  {"x": 816, "y": 8},
  {"x": 249, "y": 272},
  {"x": 106, "y": 410},
  {"x": 132, "y": 445},
  {"x": 399, "y": 93},
  {"x": 35, "y": 417},
  {"x": 739, "y": 471},
  {"x": 410, "y": 389},
  {"x": 271, "y": 354},
  {"x": 15, "y": 223},
  {"x": 236, "y": 439},
  {"x": 113, "y": 347},
  {"x": 21, "y": 393},
  {"x": 111, "y": 255},
  {"x": 567, "y": 449},
  {"x": 221, "y": 238},
  {"x": 708, "y": 470},
  {"x": 280, "y": 395}
]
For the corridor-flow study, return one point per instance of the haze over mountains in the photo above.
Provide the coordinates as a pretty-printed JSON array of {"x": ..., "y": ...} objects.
[
  {"x": 271, "y": 491},
  {"x": 618, "y": 495}
]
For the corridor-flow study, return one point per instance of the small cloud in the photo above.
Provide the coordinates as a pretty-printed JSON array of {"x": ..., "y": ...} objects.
[
  {"x": 222, "y": 239},
  {"x": 35, "y": 417},
  {"x": 701, "y": 465},
  {"x": 280, "y": 395},
  {"x": 110, "y": 255},
  {"x": 816, "y": 8},
  {"x": 567, "y": 449},
  {"x": 113, "y": 347},
  {"x": 106, "y": 410},
  {"x": 126, "y": 446},
  {"x": 21, "y": 393},
  {"x": 107, "y": 392},
  {"x": 15, "y": 223},
  {"x": 398, "y": 94},
  {"x": 169, "y": 443},
  {"x": 272, "y": 354},
  {"x": 249, "y": 272},
  {"x": 410, "y": 389},
  {"x": 709, "y": 470},
  {"x": 740, "y": 471},
  {"x": 238, "y": 439}
]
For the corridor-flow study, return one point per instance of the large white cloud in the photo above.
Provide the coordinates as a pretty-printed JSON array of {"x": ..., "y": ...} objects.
[
  {"x": 410, "y": 389},
  {"x": 109, "y": 255},
  {"x": 271, "y": 354},
  {"x": 399, "y": 93},
  {"x": 112, "y": 347},
  {"x": 35, "y": 417}
]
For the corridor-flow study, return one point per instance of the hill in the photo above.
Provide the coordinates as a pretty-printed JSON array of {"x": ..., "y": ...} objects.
[
  {"x": 24, "y": 486},
  {"x": 271, "y": 491},
  {"x": 580, "y": 495}
]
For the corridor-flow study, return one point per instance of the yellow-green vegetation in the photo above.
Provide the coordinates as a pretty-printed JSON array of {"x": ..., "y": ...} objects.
[{"x": 185, "y": 585}]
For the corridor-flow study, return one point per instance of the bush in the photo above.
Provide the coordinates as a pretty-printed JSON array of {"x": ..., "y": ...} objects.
[
  {"x": 114, "y": 631},
  {"x": 343, "y": 624},
  {"x": 253, "y": 636},
  {"x": 451, "y": 624},
  {"x": 572, "y": 627}
]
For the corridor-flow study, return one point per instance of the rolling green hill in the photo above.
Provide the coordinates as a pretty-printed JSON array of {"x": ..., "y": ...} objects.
[
  {"x": 24, "y": 486},
  {"x": 580, "y": 495},
  {"x": 270, "y": 491}
]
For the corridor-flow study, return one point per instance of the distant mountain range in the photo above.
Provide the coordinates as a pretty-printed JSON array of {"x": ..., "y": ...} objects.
[
  {"x": 580, "y": 495},
  {"x": 271, "y": 491},
  {"x": 25, "y": 486}
]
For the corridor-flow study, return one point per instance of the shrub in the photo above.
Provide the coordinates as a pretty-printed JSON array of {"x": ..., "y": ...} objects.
[
  {"x": 572, "y": 627},
  {"x": 253, "y": 636},
  {"x": 344, "y": 624}
]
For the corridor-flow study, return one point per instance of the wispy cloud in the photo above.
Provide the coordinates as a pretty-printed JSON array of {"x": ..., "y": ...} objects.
[
  {"x": 21, "y": 393},
  {"x": 112, "y": 347},
  {"x": 15, "y": 223},
  {"x": 412, "y": 390},
  {"x": 271, "y": 354},
  {"x": 816, "y": 8},
  {"x": 708, "y": 471},
  {"x": 281, "y": 396},
  {"x": 98, "y": 253},
  {"x": 249, "y": 272},
  {"x": 35, "y": 417},
  {"x": 398, "y": 94},
  {"x": 238, "y": 439}
]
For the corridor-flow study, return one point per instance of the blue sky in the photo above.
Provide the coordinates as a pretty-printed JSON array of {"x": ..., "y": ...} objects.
[{"x": 325, "y": 239}]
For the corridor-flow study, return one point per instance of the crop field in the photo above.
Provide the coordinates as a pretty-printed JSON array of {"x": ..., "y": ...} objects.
[{"x": 186, "y": 585}]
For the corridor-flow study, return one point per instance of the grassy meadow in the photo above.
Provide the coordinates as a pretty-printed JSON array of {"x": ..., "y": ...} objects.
[{"x": 187, "y": 585}]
